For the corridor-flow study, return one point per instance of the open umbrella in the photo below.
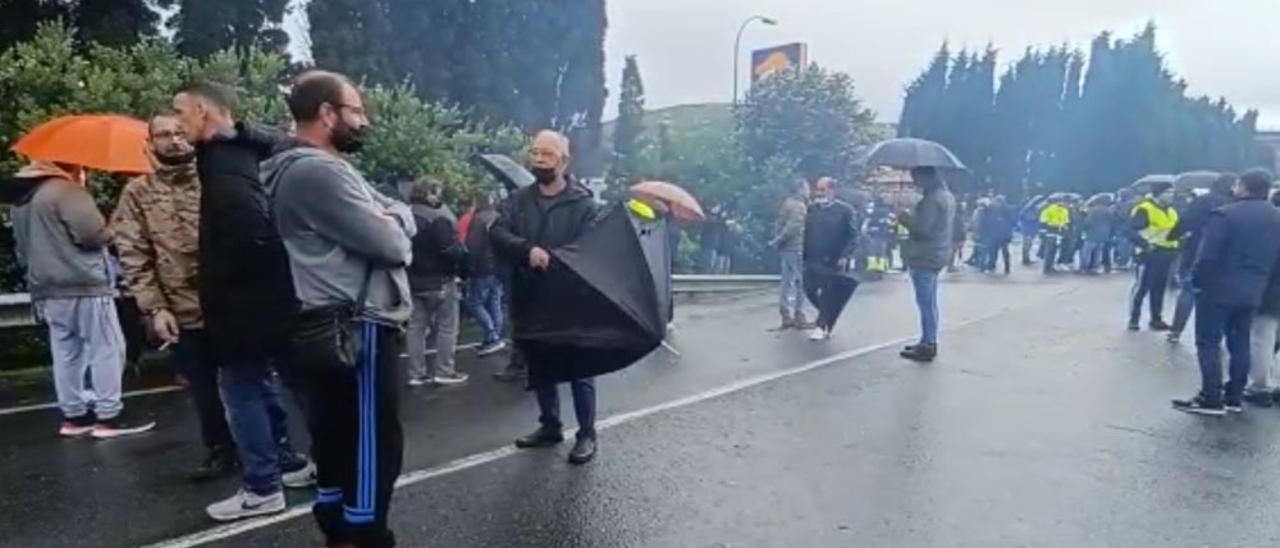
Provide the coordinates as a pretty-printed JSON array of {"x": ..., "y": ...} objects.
[
  {"x": 683, "y": 205},
  {"x": 907, "y": 153},
  {"x": 96, "y": 141},
  {"x": 1143, "y": 185},
  {"x": 604, "y": 302},
  {"x": 1193, "y": 180},
  {"x": 511, "y": 174},
  {"x": 1101, "y": 198}
]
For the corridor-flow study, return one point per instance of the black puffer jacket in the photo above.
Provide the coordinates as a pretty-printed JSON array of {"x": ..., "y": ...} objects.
[
  {"x": 438, "y": 256},
  {"x": 245, "y": 288}
]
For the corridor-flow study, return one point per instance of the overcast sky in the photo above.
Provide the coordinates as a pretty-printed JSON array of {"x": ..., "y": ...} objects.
[{"x": 1221, "y": 47}]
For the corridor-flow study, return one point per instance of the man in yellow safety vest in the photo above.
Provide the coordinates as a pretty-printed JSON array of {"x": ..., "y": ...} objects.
[{"x": 1150, "y": 222}]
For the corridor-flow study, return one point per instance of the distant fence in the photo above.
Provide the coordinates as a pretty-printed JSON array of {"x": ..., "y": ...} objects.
[{"x": 15, "y": 308}]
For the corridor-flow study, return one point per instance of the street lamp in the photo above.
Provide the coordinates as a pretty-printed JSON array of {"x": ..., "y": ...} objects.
[{"x": 737, "y": 46}]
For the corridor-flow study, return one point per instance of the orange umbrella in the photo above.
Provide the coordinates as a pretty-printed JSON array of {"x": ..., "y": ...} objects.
[
  {"x": 96, "y": 141},
  {"x": 682, "y": 204}
]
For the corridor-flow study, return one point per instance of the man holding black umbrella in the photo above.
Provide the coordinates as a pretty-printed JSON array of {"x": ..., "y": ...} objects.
[
  {"x": 926, "y": 252},
  {"x": 534, "y": 220},
  {"x": 830, "y": 234}
]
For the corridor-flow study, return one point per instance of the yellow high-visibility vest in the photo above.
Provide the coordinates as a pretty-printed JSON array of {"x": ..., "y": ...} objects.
[
  {"x": 1160, "y": 221},
  {"x": 1055, "y": 216}
]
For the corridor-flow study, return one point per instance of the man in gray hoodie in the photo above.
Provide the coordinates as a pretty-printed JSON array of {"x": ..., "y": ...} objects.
[
  {"x": 340, "y": 235},
  {"x": 62, "y": 243}
]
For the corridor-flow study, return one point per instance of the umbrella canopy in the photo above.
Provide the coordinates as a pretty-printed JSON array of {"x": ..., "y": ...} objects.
[
  {"x": 1102, "y": 198},
  {"x": 683, "y": 206},
  {"x": 617, "y": 280},
  {"x": 511, "y": 174},
  {"x": 907, "y": 153},
  {"x": 102, "y": 142},
  {"x": 1192, "y": 180},
  {"x": 1144, "y": 184}
]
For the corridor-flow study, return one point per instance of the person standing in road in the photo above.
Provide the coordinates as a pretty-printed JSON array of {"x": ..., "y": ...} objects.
[
  {"x": 1096, "y": 231},
  {"x": 1124, "y": 247},
  {"x": 881, "y": 231},
  {"x": 830, "y": 236},
  {"x": 1188, "y": 232},
  {"x": 926, "y": 252},
  {"x": 1055, "y": 219},
  {"x": 788, "y": 238},
  {"x": 1239, "y": 253},
  {"x": 535, "y": 219},
  {"x": 157, "y": 226},
  {"x": 484, "y": 286},
  {"x": 1264, "y": 334},
  {"x": 62, "y": 242},
  {"x": 245, "y": 296},
  {"x": 438, "y": 260},
  {"x": 1150, "y": 224},
  {"x": 348, "y": 247},
  {"x": 1004, "y": 221}
]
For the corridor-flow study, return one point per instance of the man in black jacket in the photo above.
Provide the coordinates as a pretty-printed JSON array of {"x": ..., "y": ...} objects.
[
  {"x": 438, "y": 260},
  {"x": 534, "y": 220},
  {"x": 1238, "y": 252},
  {"x": 1189, "y": 229},
  {"x": 830, "y": 235},
  {"x": 246, "y": 295}
]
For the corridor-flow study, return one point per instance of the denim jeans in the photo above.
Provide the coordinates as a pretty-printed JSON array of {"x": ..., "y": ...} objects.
[
  {"x": 433, "y": 323},
  {"x": 926, "y": 286},
  {"x": 251, "y": 394},
  {"x": 484, "y": 303},
  {"x": 584, "y": 406},
  {"x": 1091, "y": 256},
  {"x": 1186, "y": 301},
  {"x": 1215, "y": 322},
  {"x": 791, "y": 292}
]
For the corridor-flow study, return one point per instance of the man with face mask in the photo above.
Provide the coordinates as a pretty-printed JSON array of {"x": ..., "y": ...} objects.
[
  {"x": 533, "y": 220},
  {"x": 830, "y": 235},
  {"x": 347, "y": 244},
  {"x": 245, "y": 295},
  {"x": 156, "y": 225},
  {"x": 1151, "y": 223}
]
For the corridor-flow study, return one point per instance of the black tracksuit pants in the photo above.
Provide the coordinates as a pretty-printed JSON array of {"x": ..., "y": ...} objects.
[
  {"x": 1151, "y": 278},
  {"x": 357, "y": 442},
  {"x": 829, "y": 291}
]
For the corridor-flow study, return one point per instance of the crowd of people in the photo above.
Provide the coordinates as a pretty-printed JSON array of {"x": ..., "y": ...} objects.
[{"x": 269, "y": 265}]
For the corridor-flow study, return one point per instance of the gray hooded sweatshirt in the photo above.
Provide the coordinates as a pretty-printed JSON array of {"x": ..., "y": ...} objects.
[{"x": 334, "y": 225}]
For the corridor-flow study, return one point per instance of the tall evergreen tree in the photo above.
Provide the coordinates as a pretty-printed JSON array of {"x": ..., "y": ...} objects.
[
  {"x": 351, "y": 36},
  {"x": 629, "y": 130},
  {"x": 111, "y": 23},
  {"x": 204, "y": 27}
]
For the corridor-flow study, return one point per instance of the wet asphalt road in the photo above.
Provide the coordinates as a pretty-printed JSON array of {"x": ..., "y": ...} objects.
[{"x": 1043, "y": 424}]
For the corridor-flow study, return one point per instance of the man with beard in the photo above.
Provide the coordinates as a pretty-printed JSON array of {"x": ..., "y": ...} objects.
[
  {"x": 156, "y": 225},
  {"x": 535, "y": 219},
  {"x": 348, "y": 248},
  {"x": 245, "y": 295},
  {"x": 830, "y": 234}
]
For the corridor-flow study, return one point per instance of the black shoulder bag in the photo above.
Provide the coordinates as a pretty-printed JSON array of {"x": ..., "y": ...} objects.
[{"x": 326, "y": 337}]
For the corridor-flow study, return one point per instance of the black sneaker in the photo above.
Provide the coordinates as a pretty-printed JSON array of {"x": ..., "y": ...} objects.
[
  {"x": 1133, "y": 326},
  {"x": 1159, "y": 325},
  {"x": 221, "y": 461},
  {"x": 923, "y": 353},
  {"x": 583, "y": 450},
  {"x": 1259, "y": 399},
  {"x": 542, "y": 437},
  {"x": 1199, "y": 406},
  {"x": 120, "y": 426}
]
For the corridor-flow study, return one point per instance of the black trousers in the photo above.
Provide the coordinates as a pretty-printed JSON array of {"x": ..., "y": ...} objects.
[
  {"x": 357, "y": 441},
  {"x": 192, "y": 360},
  {"x": 829, "y": 291},
  {"x": 1151, "y": 278}
]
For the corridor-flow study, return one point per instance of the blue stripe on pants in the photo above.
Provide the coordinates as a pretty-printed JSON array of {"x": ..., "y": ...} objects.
[{"x": 366, "y": 464}]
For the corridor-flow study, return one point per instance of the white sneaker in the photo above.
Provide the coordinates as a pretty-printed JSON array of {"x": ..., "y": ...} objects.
[
  {"x": 819, "y": 334},
  {"x": 450, "y": 379},
  {"x": 301, "y": 478},
  {"x": 419, "y": 381},
  {"x": 495, "y": 346},
  {"x": 245, "y": 504}
]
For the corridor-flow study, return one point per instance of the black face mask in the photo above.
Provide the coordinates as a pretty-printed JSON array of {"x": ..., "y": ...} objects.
[
  {"x": 349, "y": 140},
  {"x": 176, "y": 159},
  {"x": 544, "y": 175}
]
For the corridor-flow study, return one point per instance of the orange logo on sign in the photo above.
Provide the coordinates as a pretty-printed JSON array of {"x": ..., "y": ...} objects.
[{"x": 775, "y": 62}]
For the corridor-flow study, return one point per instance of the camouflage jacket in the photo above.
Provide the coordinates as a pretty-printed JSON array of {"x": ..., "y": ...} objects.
[{"x": 157, "y": 227}]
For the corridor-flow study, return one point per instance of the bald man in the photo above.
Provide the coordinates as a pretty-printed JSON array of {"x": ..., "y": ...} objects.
[{"x": 534, "y": 219}]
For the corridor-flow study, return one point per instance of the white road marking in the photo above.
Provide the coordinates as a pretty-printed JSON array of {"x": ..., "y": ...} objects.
[
  {"x": 232, "y": 529},
  {"x": 53, "y": 405}
]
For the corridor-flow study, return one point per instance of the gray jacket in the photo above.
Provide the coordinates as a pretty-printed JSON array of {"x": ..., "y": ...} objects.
[
  {"x": 61, "y": 240},
  {"x": 928, "y": 245},
  {"x": 335, "y": 225}
]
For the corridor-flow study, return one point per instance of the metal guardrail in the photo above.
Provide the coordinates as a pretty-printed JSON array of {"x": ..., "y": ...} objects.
[{"x": 15, "y": 308}]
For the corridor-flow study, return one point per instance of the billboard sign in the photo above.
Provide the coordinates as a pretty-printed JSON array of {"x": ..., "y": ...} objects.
[{"x": 770, "y": 60}]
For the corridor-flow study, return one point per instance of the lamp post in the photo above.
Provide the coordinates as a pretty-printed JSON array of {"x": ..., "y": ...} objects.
[{"x": 737, "y": 46}]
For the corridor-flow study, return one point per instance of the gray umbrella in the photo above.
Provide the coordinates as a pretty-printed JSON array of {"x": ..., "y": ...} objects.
[
  {"x": 907, "y": 153},
  {"x": 1144, "y": 184},
  {"x": 1192, "y": 180},
  {"x": 511, "y": 174}
]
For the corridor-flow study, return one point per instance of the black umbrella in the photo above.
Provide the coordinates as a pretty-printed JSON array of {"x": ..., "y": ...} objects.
[
  {"x": 602, "y": 305},
  {"x": 907, "y": 153},
  {"x": 508, "y": 171}
]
